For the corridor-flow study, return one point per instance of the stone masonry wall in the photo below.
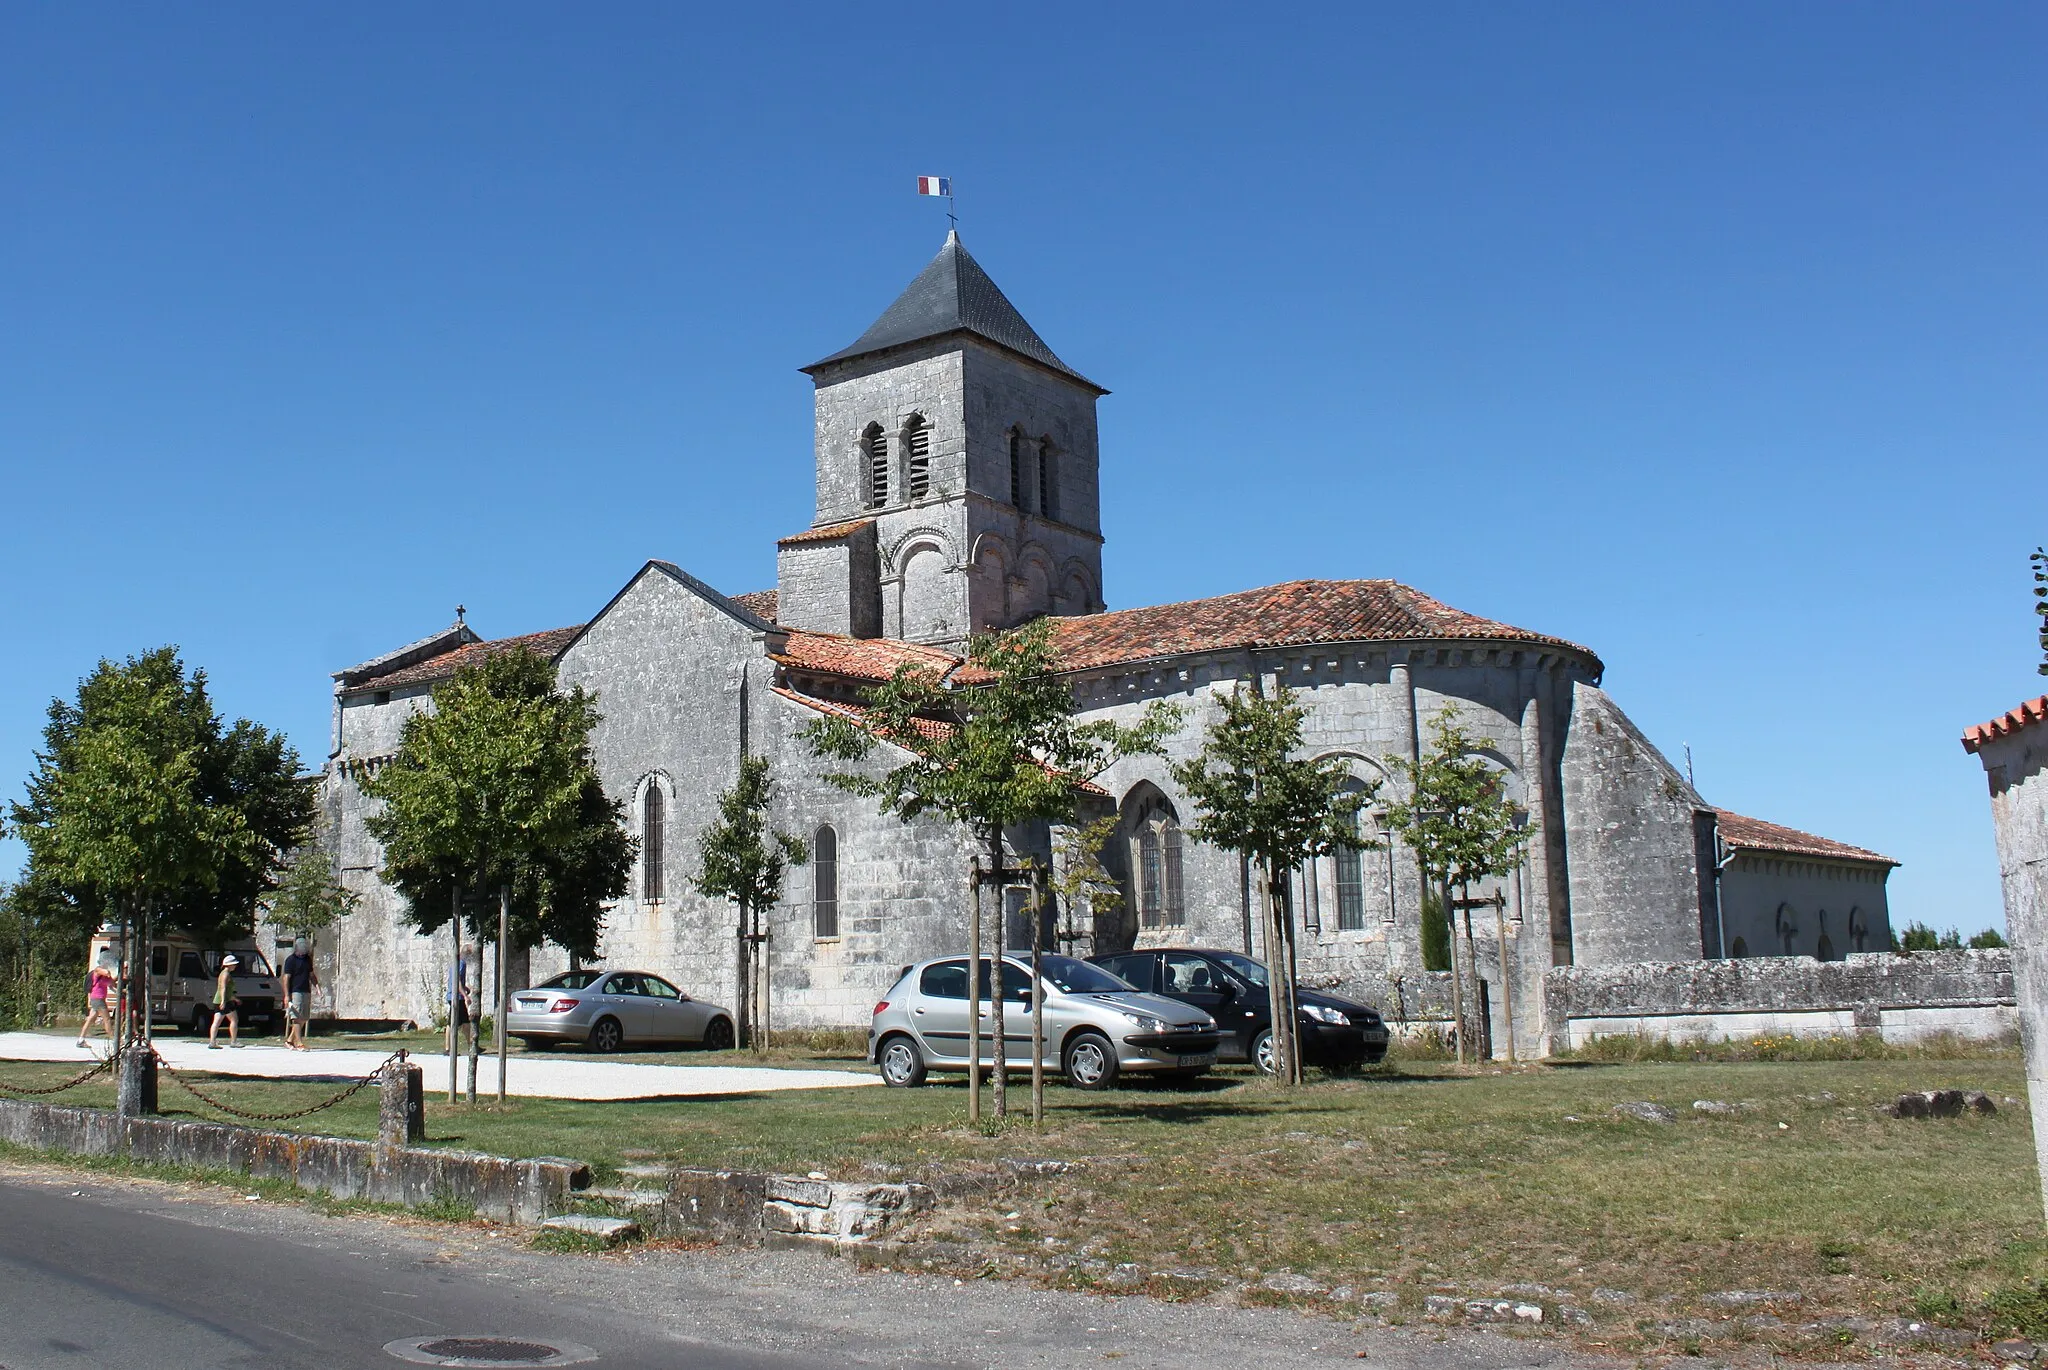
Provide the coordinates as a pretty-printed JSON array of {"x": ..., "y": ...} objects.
[{"x": 1906, "y": 998}]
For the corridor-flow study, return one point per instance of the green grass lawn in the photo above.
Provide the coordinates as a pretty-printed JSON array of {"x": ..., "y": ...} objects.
[{"x": 1411, "y": 1178}]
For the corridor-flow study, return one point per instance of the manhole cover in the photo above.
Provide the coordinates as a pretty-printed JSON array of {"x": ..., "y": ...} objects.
[{"x": 488, "y": 1351}]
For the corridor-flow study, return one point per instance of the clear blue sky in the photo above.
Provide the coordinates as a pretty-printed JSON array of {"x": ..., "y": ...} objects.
[{"x": 1710, "y": 336}]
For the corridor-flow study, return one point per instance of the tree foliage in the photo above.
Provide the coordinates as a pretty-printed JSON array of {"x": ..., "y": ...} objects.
[
  {"x": 2039, "y": 561},
  {"x": 495, "y": 787},
  {"x": 1456, "y": 818},
  {"x": 1001, "y": 750},
  {"x": 1254, "y": 796},
  {"x": 990, "y": 755},
  {"x": 143, "y": 798},
  {"x": 742, "y": 858},
  {"x": 308, "y": 899}
]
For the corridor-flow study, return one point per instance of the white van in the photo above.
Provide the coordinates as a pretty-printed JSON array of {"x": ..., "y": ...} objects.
[{"x": 181, "y": 975}]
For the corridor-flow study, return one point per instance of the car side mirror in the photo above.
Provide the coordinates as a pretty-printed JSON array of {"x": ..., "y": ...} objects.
[
  {"x": 1228, "y": 989},
  {"x": 682, "y": 997}
]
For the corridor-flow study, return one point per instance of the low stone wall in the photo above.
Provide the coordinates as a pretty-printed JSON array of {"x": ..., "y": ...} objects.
[
  {"x": 507, "y": 1190},
  {"x": 785, "y": 1210},
  {"x": 1903, "y": 998}
]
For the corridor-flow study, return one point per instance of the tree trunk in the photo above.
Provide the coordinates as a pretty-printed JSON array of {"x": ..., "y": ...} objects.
[
  {"x": 742, "y": 979},
  {"x": 1507, "y": 981},
  {"x": 498, "y": 1019},
  {"x": 1457, "y": 976},
  {"x": 974, "y": 993},
  {"x": 1279, "y": 986},
  {"x": 454, "y": 990},
  {"x": 1043, "y": 890},
  {"x": 997, "y": 1052}
]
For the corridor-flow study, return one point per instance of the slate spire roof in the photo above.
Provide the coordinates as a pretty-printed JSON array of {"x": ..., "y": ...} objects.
[{"x": 954, "y": 295}]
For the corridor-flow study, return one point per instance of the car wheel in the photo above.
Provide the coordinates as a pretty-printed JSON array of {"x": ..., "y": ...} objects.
[
  {"x": 902, "y": 1063},
  {"x": 1263, "y": 1058},
  {"x": 202, "y": 1019},
  {"x": 606, "y": 1035},
  {"x": 1089, "y": 1061},
  {"x": 718, "y": 1035}
]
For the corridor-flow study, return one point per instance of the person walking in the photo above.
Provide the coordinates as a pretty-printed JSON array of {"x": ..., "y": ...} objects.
[
  {"x": 96, "y": 1002},
  {"x": 299, "y": 979},
  {"x": 225, "y": 1005}
]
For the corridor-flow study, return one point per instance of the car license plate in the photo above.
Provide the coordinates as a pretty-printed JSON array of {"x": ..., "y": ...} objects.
[
  {"x": 531, "y": 1003},
  {"x": 1207, "y": 1059}
]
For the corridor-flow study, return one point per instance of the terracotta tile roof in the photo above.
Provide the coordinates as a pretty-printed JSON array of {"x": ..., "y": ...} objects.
[
  {"x": 2011, "y": 721},
  {"x": 1300, "y": 612},
  {"x": 928, "y": 727},
  {"x": 1753, "y": 834},
  {"x": 547, "y": 644},
  {"x": 860, "y": 658},
  {"x": 831, "y": 532},
  {"x": 760, "y": 603}
]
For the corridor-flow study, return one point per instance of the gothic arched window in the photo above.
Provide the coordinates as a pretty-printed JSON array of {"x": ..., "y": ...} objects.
[
  {"x": 1350, "y": 864},
  {"x": 1156, "y": 852},
  {"x": 874, "y": 447},
  {"x": 917, "y": 457},
  {"x": 1048, "y": 482},
  {"x": 652, "y": 813},
  {"x": 825, "y": 873}
]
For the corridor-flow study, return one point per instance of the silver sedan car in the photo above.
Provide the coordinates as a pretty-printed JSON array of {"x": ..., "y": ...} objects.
[
  {"x": 609, "y": 1009},
  {"x": 1097, "y": 1027}
]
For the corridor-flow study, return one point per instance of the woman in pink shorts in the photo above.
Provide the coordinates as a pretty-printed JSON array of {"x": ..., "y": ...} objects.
[{"x": 96, "y": 1003}]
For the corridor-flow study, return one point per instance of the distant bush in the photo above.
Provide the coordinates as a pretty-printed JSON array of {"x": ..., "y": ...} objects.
[
  {"x": 1920, "y": 937},
  {"x": 1987, "y": 940}
]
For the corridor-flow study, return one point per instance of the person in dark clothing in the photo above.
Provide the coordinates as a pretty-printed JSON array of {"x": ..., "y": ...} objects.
[{"x": 299, "y": 979}]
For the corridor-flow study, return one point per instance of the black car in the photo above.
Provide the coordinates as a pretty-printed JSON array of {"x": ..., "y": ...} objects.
[{"x": 1335, "y": 1033}]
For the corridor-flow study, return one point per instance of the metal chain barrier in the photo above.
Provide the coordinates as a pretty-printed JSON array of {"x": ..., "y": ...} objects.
[
  {"x": 105, "y": 1064},
  {"x": 208, "y": 1099}
]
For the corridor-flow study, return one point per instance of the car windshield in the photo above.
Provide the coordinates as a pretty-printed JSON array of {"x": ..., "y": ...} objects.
[
  {"x": 251, "y": 962},
  {"x": 575, "y": 979},
  {"x": 1243, "y": 966},
  {"x": 1069, "y": 976}
]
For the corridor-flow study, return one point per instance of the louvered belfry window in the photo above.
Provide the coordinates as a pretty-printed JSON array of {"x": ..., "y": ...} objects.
[
  {"x": 917, "y": 457},
  {"x": 874, "y": 444},
  {"x": 1048, "y": 481}
]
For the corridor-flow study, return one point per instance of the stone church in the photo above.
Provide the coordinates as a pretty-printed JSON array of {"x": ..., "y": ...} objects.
[{"x": 956, "y": 472}]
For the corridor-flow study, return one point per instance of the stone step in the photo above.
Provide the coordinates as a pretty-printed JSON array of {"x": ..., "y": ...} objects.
[{"x": 610, "y": 1231}]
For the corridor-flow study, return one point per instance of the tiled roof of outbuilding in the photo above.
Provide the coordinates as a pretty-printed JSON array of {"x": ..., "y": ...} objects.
[
  {"x": 928, "y": 727},
  {"x": 760, "y": 603},
  {"x": 831, "y": 532},
  {"x": 547, "y": 644},
  {"x": 860, "y": 658},
  {"x": 2011, "y": 721},
  {"x": 1297, "y": 613},
  {"x": 1753, "y": 834}
]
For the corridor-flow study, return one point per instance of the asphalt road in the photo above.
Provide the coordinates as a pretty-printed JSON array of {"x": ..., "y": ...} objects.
[{"x": 125, "y": 1272}]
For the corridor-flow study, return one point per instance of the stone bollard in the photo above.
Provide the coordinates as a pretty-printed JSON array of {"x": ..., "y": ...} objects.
[
  {"x": 401, "y": 1105},
  {"x": 137, "y": 1094}
]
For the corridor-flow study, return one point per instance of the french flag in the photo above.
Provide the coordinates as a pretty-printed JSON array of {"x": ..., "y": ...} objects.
[{"x": 935, "y": 185}]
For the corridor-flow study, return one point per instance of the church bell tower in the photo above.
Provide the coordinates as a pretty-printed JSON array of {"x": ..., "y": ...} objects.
[{"x": 957, "y": 469}]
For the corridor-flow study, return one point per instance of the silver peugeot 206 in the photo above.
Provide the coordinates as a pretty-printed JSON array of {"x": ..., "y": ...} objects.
[
  {"x": 607, "y": 1010},
  {"x": 1097, "y": 1027}
]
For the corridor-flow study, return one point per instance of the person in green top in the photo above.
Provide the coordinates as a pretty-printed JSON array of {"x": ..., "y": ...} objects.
[{"x": 226, "y": 1005}]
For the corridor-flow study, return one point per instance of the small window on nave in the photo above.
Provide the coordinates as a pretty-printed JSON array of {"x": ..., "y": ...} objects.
[
  {"x": 1048, "y": 480},
  {"x": 825, "y": 874},
  {"x": 1016, "y": 468}
]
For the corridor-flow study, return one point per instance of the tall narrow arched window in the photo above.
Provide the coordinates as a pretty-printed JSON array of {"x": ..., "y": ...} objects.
[
  {"x": 1156, "y": 866},
  {"x": 652, "y": 813},
  {"x": 1048, "y": 480},
  {"x": 874, "y": 447},
  {"x": 1350, "y": 864},
  {"x": 825, "y": 874},
  {"x": 1016, "y": 468},
  {"x": 917, "y": 457}
]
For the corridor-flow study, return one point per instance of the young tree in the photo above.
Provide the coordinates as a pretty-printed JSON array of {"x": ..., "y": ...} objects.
[
  {"x": 308, "y": 899},
  {"x": 743, "y": 860},
  {"x": 143, "y": 803},
  {"x": 1254, "y": 796},
  {"x": 999, "y": 752},
  {"x": 1462, "y": 827},
  {"x": 495, "y": 788}
]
